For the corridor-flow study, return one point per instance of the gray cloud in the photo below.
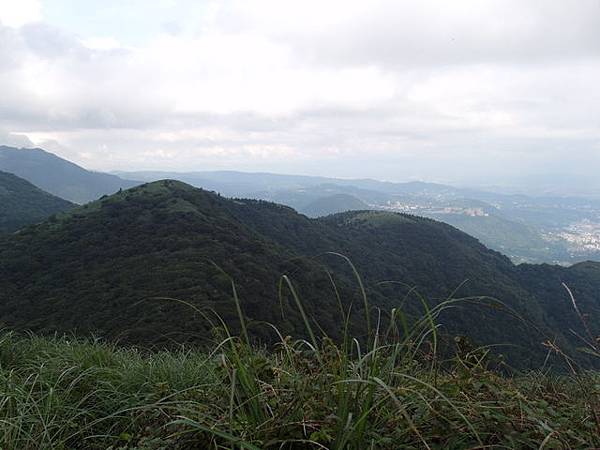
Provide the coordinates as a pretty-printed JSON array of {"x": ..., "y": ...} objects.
[{"x": 434, "y": 32}]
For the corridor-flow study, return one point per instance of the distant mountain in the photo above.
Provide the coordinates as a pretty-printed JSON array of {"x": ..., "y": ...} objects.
[
  {"x": 21, "y": 203},
  {"x": 100, "y": 267},
  {"x": 59, "y": 176},
  {"x": 333, "y": 204},
  {"x": 233, "y": 183},
  {"x": 516, "y": 240}
]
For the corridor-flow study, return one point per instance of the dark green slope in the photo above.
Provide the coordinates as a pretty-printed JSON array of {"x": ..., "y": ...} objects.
[
  {"x": 59, "y": 176},
  {"x": 429, "y": 255},
  {"x": 583, "y": 279},
  {"x": 21, "y": 203},
  {"x": 92, "y": 269}
]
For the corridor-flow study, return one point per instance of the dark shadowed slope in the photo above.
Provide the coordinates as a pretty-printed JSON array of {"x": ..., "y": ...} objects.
[
  {"x": 59, "y": 176},
  {"x": 21, "y": 203},
  {"x": 93, "y": 269}
]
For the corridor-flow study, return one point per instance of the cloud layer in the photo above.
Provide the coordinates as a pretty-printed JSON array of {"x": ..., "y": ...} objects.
[{"x": 469, "y": 91}]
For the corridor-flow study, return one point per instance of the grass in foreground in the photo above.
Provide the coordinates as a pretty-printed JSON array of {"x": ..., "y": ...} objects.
[{"x": 62, "y": 393}]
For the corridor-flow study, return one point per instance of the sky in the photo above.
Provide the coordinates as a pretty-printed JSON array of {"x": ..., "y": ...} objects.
[{"x": 470, "y": 92}]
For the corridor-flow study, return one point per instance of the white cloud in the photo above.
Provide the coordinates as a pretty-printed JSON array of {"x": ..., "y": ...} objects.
[
  {"x": 15, "y": 13},
  {"x": 101, "y": 43}
]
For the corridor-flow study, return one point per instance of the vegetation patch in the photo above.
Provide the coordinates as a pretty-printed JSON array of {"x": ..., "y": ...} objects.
[{"x": 63, "y": 393}]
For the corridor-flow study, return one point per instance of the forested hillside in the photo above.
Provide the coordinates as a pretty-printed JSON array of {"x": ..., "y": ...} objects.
[
  {"x": 21, "y": 203},
  {"x": 101, "y": 267}
]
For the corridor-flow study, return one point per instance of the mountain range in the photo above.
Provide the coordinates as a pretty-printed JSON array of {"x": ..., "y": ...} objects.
[
  {"x": 557, "y": 230},
  {"x": 58, "y": 176},
  {"x": 113, "y": 267}
]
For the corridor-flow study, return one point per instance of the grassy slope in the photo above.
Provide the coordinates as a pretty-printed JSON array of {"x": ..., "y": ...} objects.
[{"x": 66, "y": 393}]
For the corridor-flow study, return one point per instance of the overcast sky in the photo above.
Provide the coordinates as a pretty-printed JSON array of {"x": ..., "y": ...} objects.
[{"x": 462, "y": 91}]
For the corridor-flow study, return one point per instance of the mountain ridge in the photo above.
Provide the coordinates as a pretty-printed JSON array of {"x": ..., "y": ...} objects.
[
  {"x": 556, "y": 227},
  {"x": 163, "y": 239}
]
